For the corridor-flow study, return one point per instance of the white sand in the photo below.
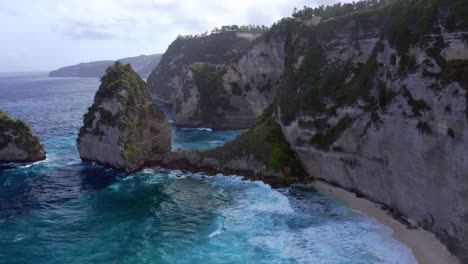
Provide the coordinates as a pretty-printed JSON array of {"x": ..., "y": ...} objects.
[{"x": 426, "y": 247}]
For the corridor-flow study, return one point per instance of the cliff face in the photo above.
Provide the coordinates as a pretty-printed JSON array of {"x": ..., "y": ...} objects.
[
  {"x": 123, "y": 128},
  {"x": 221, "y": 91},
  {"x": 233, "y": 95},
  {"x": 374, "y": 101},
  {"x": 17, "y": 143},
  {"x": 142, "y": 64},
  {"x": 166, "y": 79},
  {"x": 377, "y": 104}
]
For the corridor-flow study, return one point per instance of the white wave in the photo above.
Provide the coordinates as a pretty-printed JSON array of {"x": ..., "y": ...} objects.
[
  {"x": 272, "y": 202},
  {"x": 196, "y": 128},
  {"x": 215, "y": 233},
  {"x": 148, "y": 171},
  {"x": 175, "y": 174},
  {"x": 337, "y": 242},
  {"x": 219, "y": 227},
  {"x": 24, "y": 164},
  {"x": 19, "y": 238}
]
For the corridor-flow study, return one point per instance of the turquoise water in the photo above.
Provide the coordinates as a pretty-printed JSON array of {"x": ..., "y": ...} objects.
[{"x": 63, "y": 211}]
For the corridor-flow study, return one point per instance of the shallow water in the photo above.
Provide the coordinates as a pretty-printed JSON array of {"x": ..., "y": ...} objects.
[{"x": 63, "y": 211}]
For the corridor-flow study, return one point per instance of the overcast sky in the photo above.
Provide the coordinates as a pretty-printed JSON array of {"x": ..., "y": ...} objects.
[{"x": 42, "y": 35}]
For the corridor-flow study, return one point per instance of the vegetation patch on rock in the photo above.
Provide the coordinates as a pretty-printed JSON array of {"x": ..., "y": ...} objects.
[
  {"x": 123, "y": 128},
  {"x": 266, "y": 143},
  {"x": 17, "y": 143},
  {"x": 213, "y": 97}
]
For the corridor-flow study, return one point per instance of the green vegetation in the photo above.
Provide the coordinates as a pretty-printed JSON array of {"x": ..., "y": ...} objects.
[
  {"x": 424, "y": 128},
  {"x": 448, "y": 108},
  {"x": 385, "y": 95},
  {"x": 253, "y": 29},
  {"x": 267, "y": 144},
  {"x": 393, "y": 59},
  {"x": 407, "y": 64},
  {"x": 457, "y": 18},
  {"x": 217, "y": 49},
  {"x": 318, "y": 82},
  {"x": 18, "y": 132},
  {"x": 325, "y": 140},
  {"x": 457, "y": 70},
  {"x": 123, "y": 84},
  {"x": 209, "y": 82},
  {"x": 130, "y": 151},
  {"x": 118, "y": 76},
  {"x": 236, "y": 90},
  {"x": 337, "y": 10},
  {"x": 409, "y": 20},
  {"x": 451, "y": 133},
  {"x": 417, "y": 106}
]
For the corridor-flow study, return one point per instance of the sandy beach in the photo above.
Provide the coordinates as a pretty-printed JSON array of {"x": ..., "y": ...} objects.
[{"x": 425, "y": 246}]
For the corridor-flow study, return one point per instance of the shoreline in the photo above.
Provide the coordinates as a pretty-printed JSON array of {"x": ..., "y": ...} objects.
[{"x": 425, "y": 246}]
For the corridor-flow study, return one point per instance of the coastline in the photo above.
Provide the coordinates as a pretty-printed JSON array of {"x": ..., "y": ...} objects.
[{"x": 425, "y": 246}]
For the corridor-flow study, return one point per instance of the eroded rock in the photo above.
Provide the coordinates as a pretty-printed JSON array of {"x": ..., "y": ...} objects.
[
  {"x": 17, "y": 142},
  {"x": 123, "y": 128}
]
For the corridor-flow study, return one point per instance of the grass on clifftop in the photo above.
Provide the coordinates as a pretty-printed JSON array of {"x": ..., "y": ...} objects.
[{"x": 267, "y": 144}]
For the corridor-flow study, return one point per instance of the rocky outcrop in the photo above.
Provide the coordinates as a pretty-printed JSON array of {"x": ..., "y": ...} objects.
[
  {"x": 379, "y": 107},
  {"x": 223, "y": 92},
  {"x": 374, "y": 101},
  {"x": 143, "y": 65},
  {"x": 123, "y": 128},
  {"x": 217, "y": 49},
  {"x": 17, "y": 142},
  {"x": 258, "y": 154}
]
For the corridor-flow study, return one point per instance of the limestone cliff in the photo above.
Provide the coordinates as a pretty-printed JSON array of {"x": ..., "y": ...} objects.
[
  {"x": 222, "y": 91},
  {"x": 17, "y": 143},
  {"x": 219, "y": 48},
  {"x": 123, "y": 128},
  {"x": 376, "y": 102}
]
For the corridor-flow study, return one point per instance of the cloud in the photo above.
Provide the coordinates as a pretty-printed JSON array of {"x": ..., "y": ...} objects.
[
  {"x": 138, "y": 18},
  {"x": 52, "y": 33}
]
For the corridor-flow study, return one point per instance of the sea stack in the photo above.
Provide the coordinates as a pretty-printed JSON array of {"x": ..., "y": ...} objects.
[
  {"x": 123, "y": 129},
  {"x": 17, "y": 142}
]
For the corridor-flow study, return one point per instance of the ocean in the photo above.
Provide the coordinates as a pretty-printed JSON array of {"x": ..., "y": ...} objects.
[{"x": 63, "y": 211}]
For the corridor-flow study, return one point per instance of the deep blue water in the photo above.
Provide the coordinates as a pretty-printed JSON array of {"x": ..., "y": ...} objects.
[{"x": 63, "y": 211}]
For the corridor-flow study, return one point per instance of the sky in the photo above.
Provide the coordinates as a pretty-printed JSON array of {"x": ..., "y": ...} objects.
[{"x": 43, "y": 35}]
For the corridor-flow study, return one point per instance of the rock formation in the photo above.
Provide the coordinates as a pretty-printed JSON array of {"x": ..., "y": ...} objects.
[
  {"x": 123, "y": 128},
  {"x": 225, "y": 89},
  {"x": 17, "y": 143},
  {"x": 261, "y": 153},
  {"x": 374, "y": 101}
]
